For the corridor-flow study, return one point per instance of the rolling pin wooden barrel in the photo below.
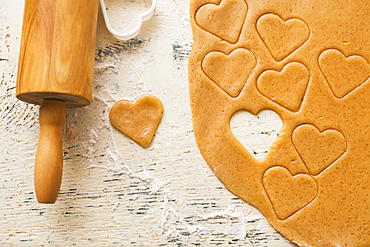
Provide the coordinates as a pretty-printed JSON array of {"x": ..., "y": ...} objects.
[{"x": 56, "y": 70}]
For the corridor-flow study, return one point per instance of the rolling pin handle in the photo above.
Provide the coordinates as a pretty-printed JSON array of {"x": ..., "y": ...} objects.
[{"x": 49, "y": 155}]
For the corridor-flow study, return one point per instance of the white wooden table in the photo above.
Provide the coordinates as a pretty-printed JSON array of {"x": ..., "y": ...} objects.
[{"x": 114, "y": 192}]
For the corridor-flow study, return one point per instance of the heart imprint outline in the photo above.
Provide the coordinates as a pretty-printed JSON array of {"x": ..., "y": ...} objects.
[
  {"x": 343, "y": 74},
  {"x": 224, "y": 20},
  {"x": 288, "y": 194},
  {"x": 282, "y": 37},
  {"x": 138, "y": 120},
  {"x": 286, "y": 87},
  {"x": 318, "y": 149},
  {"x": 220, "y": 67}
]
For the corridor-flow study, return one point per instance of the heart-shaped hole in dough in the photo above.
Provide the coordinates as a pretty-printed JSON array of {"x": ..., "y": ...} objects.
[{"x": 258, "y": 132}]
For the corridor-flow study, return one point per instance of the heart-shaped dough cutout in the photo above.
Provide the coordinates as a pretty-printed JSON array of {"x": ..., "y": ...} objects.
[
  {"x": 288, "y": 194},
  {"x": 287, "y": 87},
  {"x": 230, "y": 72},
  {"x": 343, "y": 74},
  {"x": 257, "y": 133},
  {"x": 282, "y": 37},
  {"x": 317, "y": 149},
  {"x": 224, "y": 20},
  {"x": 137, "y": 120}
]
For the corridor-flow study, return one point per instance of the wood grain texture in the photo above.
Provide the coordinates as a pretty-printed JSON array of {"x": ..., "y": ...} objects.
[
  {"x": 57, "y": 51},
  {"x": 115, "y": 193},
  {"x": 49, "y": 155}
]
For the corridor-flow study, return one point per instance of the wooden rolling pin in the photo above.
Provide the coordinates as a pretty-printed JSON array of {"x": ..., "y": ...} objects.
[{"x": 56, "y": 70}]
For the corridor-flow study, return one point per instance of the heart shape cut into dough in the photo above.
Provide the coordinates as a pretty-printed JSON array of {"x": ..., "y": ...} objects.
[
  {"x": 288, "y": 194},
  {"x": 256, "y": 133},
  {"x": 230, "y": 72},
  {"x": 139, "y": 120},
  {"x": 224, "y": 20},
  {"x": 318, "y": 150},
  {"x": 282, "y": 37},
  {"x": 343, "y": 74},
  {"x": 288, "y": 87}
]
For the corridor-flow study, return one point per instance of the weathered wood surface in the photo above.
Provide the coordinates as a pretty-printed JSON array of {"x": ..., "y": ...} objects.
[{"x": 114, "y": 192}]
